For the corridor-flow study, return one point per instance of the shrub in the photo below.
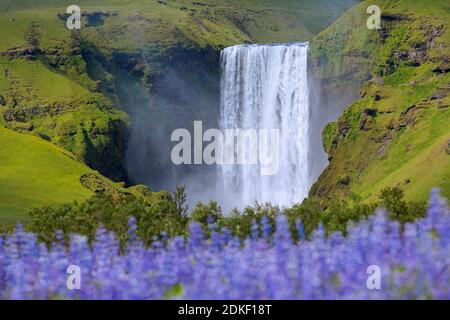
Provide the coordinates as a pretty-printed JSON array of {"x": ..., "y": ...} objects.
[
  {"x": 33, "y": 35},
  {"x": 165, "y": 214},
  {"x": 392, "y": 199},
  {"x": 112, "y": 212}
]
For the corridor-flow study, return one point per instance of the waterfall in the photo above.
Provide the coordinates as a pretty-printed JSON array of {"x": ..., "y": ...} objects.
[{"x": 266, "y": 87}]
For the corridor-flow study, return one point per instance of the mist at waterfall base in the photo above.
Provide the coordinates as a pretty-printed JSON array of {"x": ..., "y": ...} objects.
[{"x": 261, "y": 87}]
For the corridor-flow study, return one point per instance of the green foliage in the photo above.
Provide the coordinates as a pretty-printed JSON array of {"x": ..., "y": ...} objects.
[
  {"x": 33, "y": 35},
  {"x": 309, "y": 212},
  {"x": 339, "y": 214},
  {"x": 393, "y": 200},
  {"x": 153, "y": 218},
  {"x": 174, "y": 292},
  {"x": 400, "y": 76},
  {"x": 334, "y": 215},
  {"x": 179, "y": 198},
  {"x": 158, "y": 216},
  {"x": 206, "y": 214},
  {"x": 240, "y": 223},
  {"x": 328, "y": 136}
]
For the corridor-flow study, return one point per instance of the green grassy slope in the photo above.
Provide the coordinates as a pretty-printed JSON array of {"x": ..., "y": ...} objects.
[
  {"x": 398, "y": 133},
  {"x": 34, "y": 173},
  {"x": 135, "y": 23}
]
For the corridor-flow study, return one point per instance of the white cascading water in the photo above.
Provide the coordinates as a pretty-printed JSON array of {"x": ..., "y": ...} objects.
[{"x": 266, "y": 87}]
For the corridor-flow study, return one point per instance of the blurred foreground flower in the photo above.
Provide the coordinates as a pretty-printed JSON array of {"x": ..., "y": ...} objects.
[{"x": 414, "y": 261}]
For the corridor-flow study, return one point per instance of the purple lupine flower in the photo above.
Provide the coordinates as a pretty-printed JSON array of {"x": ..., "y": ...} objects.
[{"x": 414, "y": 263}]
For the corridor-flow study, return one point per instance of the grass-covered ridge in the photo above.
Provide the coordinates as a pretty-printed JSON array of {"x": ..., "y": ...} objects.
[
  {"x": 397, "y": 134},
  {"x": 140, "y": 24}
]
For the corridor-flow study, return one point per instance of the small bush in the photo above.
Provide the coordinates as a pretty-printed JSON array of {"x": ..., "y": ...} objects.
[{"x": 392, "y": 199}]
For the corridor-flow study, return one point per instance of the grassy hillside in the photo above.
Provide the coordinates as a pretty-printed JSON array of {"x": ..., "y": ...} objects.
[
  {"x": 35, "y": 173},
  {"x": 397, "y": 133},
  {"x": 50, "y": 105}
]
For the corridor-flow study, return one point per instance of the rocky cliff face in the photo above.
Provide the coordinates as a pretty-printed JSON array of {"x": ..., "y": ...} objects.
[
  {"x": 396, "y": 131},
  {"x": 184, "y": 87}
]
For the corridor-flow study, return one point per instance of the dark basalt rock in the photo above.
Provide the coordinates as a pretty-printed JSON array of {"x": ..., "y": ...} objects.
[
  {"x": 392, "y": 17},
  {"x": 408, "y": 118},
  {"x": 95, "y": 19},
  {"x": 444, "y": 67},
  {"x": 440, "y": 94},
  {"x": 343, "y": 129},
  {"x": 27, "y": 53},
  {"x": 345, "y": 181},
  {"x": 94, "y": 183},
  {"x": 366, "y": 123}
]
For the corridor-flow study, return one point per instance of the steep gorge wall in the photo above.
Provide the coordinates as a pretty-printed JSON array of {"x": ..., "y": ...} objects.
[
  {"x": 183, "y": 89},
  {"x": 396, "y": 131}
]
